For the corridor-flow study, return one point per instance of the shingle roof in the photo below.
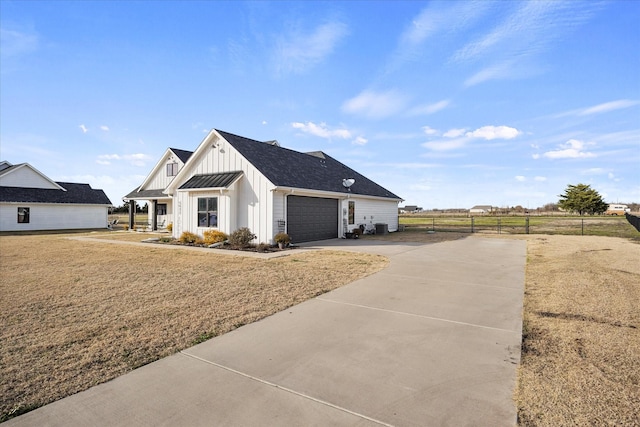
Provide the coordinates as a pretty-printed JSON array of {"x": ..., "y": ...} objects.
[
  {"x": 146, "y": 194},
  {"x": 183, "y": 155},
  {"x": 314, "y": 171},
  {"x": 75, "y": 194},
  {"x": 215, "y": 180}
]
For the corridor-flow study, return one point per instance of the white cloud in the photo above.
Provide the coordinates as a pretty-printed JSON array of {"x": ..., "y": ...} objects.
[
  {"x": 454, "y": 133},
  {"x": 321, "y": 130},
  {"x": 360, "y": 141},
  {"x": 297, "y": 52},
  {"x": 608, "y": 106},
  {"x": 137, "y": 159},
  {"x": 264, "y": 122},
  {"x": 572, "y": 149},
  {"x": 429, "y": 108},
  {"x": 446, "y": 144},
  {"x": 375, "y": 105},
  {"x": 104, "y": 128},
  {"x": 520, "y": 178},
  {"x": 540, "y": 178},
  {"x": 14, "y": 43},
  {"x": 494, "y": 132},
  {"x": 83, "y": 128},
  {"x": 429, "y": 130}
]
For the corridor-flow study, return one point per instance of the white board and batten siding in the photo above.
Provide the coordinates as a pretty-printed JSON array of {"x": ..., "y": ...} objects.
[
  {"x": 45, "y": 216},
  {"x": 372, "y": 211},
  {"x": 247, "y": 203}
]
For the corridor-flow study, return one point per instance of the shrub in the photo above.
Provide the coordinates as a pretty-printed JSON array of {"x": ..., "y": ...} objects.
[
  {"x": 214, "y": 236},
  {"x": 188, "y": 237},
  {"x": 170, "y": 227},
  {"x": 282, "y": 238},
  {"x": 241, "y": 238},
  {"x": 263, "y": 247}
]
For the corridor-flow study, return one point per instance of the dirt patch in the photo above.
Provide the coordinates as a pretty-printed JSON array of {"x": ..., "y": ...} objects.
[{"x": 78, "y": 313}]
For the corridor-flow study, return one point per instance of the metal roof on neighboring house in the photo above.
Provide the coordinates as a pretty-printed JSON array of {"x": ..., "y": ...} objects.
[
  {"x": 75, "y": 194},
  {"x": 146, "y": 194},
  {"x": 214, "y": 180},
  {"x": 313, "y": 171}
]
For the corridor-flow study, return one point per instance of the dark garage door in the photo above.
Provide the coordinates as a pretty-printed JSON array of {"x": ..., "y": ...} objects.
[{"x": 311, "y": 218}]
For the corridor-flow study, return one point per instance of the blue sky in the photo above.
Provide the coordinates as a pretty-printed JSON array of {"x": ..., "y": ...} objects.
[{"x": 447, "y": 104}]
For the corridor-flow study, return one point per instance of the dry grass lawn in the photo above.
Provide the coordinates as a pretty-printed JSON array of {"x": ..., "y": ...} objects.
[
  {"x": 581, "y": 346},
  {"x": 74, "y": 314}
]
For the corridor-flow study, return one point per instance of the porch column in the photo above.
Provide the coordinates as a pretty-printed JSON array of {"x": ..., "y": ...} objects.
[
  {"x": 132, "y": 214},
  {"x": 154, "y": 216}
]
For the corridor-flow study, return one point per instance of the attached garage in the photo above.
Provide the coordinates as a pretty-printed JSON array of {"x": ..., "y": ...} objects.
[{"x": 312, "y": 218}]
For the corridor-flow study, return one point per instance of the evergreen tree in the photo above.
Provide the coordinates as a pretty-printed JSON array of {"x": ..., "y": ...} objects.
[{"x": 583, "y": 199}]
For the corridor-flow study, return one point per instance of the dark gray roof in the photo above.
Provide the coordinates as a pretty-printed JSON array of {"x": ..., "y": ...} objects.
[
  {"x": 75, "y": 194},
  {"x": 146, "y": 194},
  {"x": 314, "y": 171},
  {"x": 183, "y": 155},
  {"x": 215, "y": 180}
]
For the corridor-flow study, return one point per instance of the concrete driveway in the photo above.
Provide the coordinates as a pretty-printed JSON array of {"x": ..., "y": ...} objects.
[{"x": 433, "y": 340}]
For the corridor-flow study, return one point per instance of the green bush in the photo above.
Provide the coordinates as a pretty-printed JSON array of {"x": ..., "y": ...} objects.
[
  {"x": 241, "y": 238},
  {"x": 188, "y": 237},
  {"x": 282, "y": 238},
  {"x": 214, "y": 236}
]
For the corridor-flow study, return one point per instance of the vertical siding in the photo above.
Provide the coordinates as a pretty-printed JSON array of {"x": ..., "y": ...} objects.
[
  {"x": 160, "y": 179},
  {"x": 53, "y": 217},
  {"x": 368, "y": 211},
  {"x": 247, "y": 204}
]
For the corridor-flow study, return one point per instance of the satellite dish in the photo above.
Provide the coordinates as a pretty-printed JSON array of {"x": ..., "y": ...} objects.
[{"x": 347, "y": 183}]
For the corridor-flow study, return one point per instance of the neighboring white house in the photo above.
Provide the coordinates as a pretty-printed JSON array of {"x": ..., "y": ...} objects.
[
  {"x": 482, "y": 209},
  {"x": 231, "y": 181},
  {"x": 31, "y": 201}
]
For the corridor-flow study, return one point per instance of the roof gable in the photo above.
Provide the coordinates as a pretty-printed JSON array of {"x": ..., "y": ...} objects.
[
  {"x": 293, "y": 169},
  {"x": 24, "y": 175}
]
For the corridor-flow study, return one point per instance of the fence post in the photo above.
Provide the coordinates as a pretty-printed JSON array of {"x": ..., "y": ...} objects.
[
  {"x": 499, "y": 225},
  {"x": 526, "y": 225},
  {"x": 583, "y": 226},
  {"x": 433, "y": 224},
  {"x": 472, "y": 218}
]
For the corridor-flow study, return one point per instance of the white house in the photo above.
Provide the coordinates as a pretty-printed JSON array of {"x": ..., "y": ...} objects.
[
  {"x": 482, "y": 209},
  {"x": 231, "y": 181},
  {"x": 31, "y": 201}
]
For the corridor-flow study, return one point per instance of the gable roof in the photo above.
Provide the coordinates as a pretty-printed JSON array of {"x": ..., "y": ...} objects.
[
  {"x": 313, "y": 171},
  {"x": 183, "y": 155},
  {"x": 75, "y": 193},
  {"x": 8, "y": 168}
]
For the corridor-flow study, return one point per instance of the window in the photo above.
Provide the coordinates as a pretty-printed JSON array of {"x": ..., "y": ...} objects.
[
  {"x": 207, "y": 212},
  {"x": 352, "y": 213},
  {"x": 23, "y": 215},
  {"x": 161, "y": 209},
  {"x": 172, "y": 169}
]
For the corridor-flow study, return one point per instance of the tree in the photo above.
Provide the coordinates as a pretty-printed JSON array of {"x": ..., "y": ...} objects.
[{"x": 583, "y": 199}]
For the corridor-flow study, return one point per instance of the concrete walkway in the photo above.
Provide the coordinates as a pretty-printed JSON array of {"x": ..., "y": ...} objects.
[{"x": 433, "y": 340}]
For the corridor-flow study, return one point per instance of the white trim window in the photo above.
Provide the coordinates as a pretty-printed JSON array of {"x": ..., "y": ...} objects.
[
  {"x": 23, "y": 215},
  {"x": 172, "y": 169},
  {"x": 207, "y": 212}
]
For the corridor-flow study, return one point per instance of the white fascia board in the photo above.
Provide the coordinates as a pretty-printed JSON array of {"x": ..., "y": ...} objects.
[
  {"x": 211, "y": 138},
  {"x": 155, "y": 169},
  {"x": 330, "y": 194},
  {"x": 27, "y": 165}
]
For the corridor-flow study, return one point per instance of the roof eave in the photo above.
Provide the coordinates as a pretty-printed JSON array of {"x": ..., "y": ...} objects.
[{"x": 334, "y": 194}]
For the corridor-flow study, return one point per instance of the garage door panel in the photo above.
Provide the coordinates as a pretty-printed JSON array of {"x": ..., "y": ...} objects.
[{"x": 311, "y": 218}]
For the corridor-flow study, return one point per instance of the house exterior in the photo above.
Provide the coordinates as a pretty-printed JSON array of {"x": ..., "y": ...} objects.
[
  {"x": 230, "y": 182},
  {"x": 482, "y": 209},
  {"x": 31, "y": 201}
]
